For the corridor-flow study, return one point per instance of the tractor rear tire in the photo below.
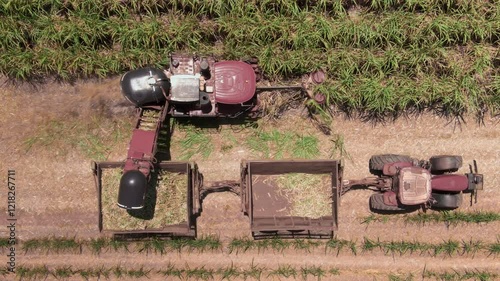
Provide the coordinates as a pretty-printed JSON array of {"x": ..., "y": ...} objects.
[
  {"x": 445, "y": 163},
  {"x": 447, "y": 201},
  {"x": 377, "y": 162},
  {"x": 377, "y": 205}
]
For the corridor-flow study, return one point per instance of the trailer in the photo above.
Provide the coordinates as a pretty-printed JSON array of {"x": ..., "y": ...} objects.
[
  {"x": 269, "y": 216},
  {"x": 272, "y": 213},
  {"x": 113, "y": 219}
]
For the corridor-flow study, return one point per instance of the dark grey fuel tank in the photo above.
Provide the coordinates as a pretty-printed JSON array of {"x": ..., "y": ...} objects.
[
  {"x": 144, "y": 86},
  {"x": 132, "y": 191}
]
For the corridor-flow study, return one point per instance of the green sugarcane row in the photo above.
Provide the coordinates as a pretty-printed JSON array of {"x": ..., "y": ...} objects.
[
  {"x": 285, "y": 44},
  {"x": 54, "y": 245},
  {"x": 243, "y": 32},
  {"x": 306, "y": 30},
  {"x": 222, "y": 7},
  {"x": 374, "y": 57},
  {"x": 253, "y": 272}
]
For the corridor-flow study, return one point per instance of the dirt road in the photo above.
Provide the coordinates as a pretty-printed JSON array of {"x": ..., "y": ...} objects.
[{"x": 56, "y": 194}]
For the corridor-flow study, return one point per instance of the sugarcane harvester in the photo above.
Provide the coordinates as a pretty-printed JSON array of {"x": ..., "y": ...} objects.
[{"x": 192, "y": 86}]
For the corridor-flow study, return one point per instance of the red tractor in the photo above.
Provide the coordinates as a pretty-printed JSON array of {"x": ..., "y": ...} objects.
[
  {"x": 192, "y": 86},
  {"x": 406, "y": 184}
]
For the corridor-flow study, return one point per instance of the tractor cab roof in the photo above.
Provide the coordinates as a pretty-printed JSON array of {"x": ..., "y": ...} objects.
[{"x": 234, "y": 82}]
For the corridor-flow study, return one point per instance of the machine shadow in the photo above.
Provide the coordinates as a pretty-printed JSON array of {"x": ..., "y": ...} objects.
[{"x": 148, "y": 212}]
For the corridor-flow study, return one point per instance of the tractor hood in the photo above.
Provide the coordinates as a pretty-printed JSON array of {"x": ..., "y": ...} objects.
[{"x": 414, "y": 185}]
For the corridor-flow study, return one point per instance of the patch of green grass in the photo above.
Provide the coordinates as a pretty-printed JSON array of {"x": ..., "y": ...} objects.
[
  {"x": 278, "y": 245},
  {"x": 447, "y": 217},
  {"x": 63, "y": 272},
  {"x": 206, "y": 243},
  {"x": 64, "y": 244},
  {"x": 4, "y": 242},
  {"x": 339, "y": 244},
  {"x": 184, "y": 273},
  {"x": 315, "y": 271},
  {"x": 195, "y": 143},
  {"x": 460, "y": 275},
  {"x": 306, "y": 147},
  {"x": 32, "y": 273},
  {"x": 254, "y": 272},
  {"x": 138, "y": 273},
  {"x": 306, "y": 245},
  {"x": 179, "y": 244},
  {"x": 93, "y": 147},
  {"x": 96, "y": 145},
  {"x": 278, "y": 145},
  {"x": 119, "y": 245},
  {"x": 228, "y": 140},
  {"x": 472, "y": 246},
  {"x": 454, "y": 217},
  {"x": 369, "y": 245},
  {"x": 172, "y": 271},
  {"x": 236, "y": 245},
  {"x": 199, "y": 273},
  {"x": 494, "y": 248},
  {"x": 450, "y": 247},
  {"x": 98, "y": 245},
  {"x": 334, "y": 271},
  {"x": 338, "y": 148},
  {"x": 273, "y": 144},
  {"x": 118, "y": 271},
  {"x": 228, "y": 272},
  {"x": 375, "y": 218},
  {"x": 53, "y": 244},
  {"x": 90, "y": 273},
  {"x": 286, "y": 271},
  {"x": 403, "y": 247}
]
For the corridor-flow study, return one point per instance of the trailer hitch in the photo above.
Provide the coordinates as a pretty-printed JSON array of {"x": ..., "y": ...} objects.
[{"x": 220, "y": 186}]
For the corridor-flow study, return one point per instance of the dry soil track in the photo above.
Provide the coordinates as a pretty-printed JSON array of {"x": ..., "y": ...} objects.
[{"x": 56, "y": 194}]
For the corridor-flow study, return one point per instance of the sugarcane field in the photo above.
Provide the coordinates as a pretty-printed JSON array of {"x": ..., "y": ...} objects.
[{"x": 250, "y": 140}]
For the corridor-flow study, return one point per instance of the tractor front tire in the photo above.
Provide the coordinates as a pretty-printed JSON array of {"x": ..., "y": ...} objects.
[
  {"x": 446, "y": 201},
  {"x": 377, "y": 162},
  {"x": 445, "y": 163}
]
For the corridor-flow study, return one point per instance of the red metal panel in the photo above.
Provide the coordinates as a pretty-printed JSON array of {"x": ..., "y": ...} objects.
[
  {"x": 141, "y": 147},
  {"x": 449, "y": 183},
  {"x": 234, "y": 82},
  {"x": 142, "y": 141}
]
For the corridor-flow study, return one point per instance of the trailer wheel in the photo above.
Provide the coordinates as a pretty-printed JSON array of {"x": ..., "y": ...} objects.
[
  {"x": 377, "y": 205},
  {"x": 446, "y": 200},
  {"x": 377, "y": 162},
  {"x": 445, "y": 163}
]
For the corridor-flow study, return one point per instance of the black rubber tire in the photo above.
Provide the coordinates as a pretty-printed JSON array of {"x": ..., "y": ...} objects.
[
  {"x": 446, "y": 201},
  {"x": 377, "y": 205},
  {"x": 445, "y": 163},
  {"x": 377, "y": 162}
]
